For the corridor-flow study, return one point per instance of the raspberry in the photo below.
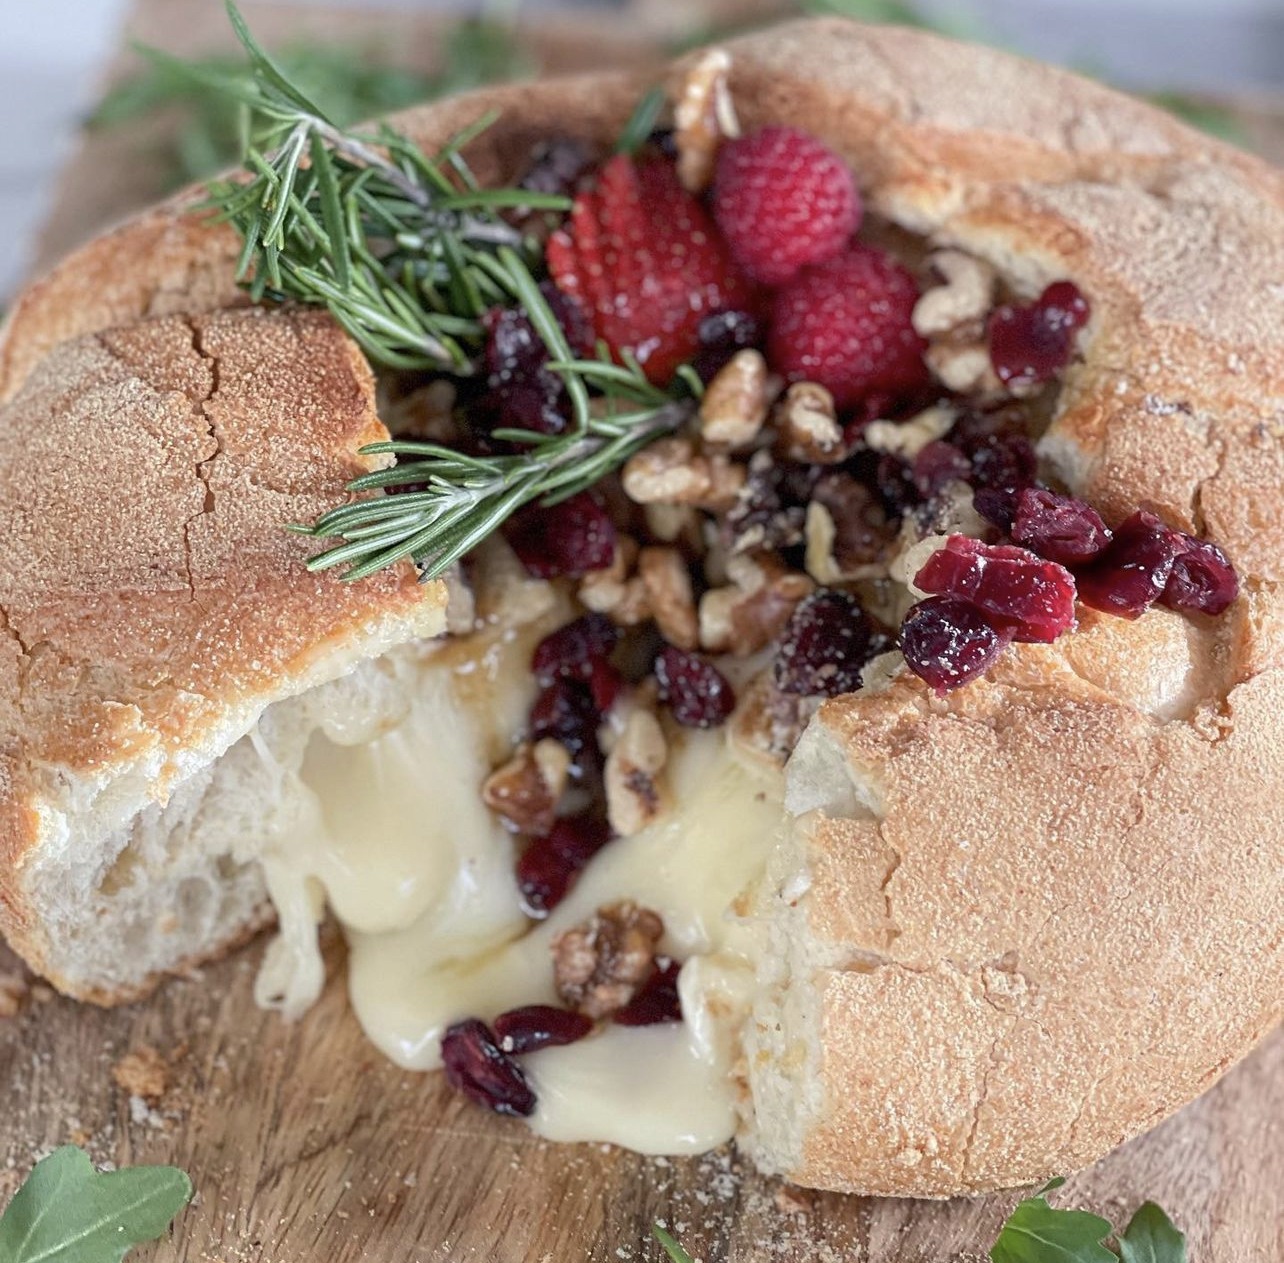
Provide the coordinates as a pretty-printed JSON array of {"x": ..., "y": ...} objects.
[
  {"x": 846, "y": 324},
  {"x": 643, "y": 258},
  {"x": 783, "y": 200}
]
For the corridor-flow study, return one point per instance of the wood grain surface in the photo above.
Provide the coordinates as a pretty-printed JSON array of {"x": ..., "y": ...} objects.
[{"x": 305, "y": 1146}]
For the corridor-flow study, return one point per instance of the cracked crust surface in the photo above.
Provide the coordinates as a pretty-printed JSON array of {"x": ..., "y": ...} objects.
[
  {"x": 1063, "y": 919},
  {"x": 152, "y": 601}
]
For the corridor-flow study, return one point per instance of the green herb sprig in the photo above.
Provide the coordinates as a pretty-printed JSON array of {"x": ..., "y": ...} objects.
[{"x": 408, "y": 252}]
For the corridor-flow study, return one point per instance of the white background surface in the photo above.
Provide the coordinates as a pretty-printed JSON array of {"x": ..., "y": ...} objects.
[{"x": 52, "y": 52}]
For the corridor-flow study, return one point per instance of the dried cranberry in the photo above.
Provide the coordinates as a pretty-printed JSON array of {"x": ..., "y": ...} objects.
[
  {"x": 1203, "y": 581},
  {"x": 770, "y": 509},
  {"x": 948, "y": 642},
  {"x": 657, "y": 1001},
  {"x": 894, "y": 479},
  {"x": 1029, "y": 345},
  {"x": 825, "y": 646},
  {"x": 476, "y": 1067},
  {"x": 721, "y": 335},
  {"x": 1011, "y": 585},
  {"x": 571, "y": 651},
  {"x": 524, "y": 393},
  {"x": 937, "y": 465},
  {"x": 995, "y": 505},
  {"x": 570, "y": 538},
  {"x": 537, "y": 1026},
  {"x": 1059, "y": 528},
  {"x": 697, "y": 693},
  {"x": 1005, "y": 462},
  {"x": 556, "y": 166},
  {"x": 565, "y": 711},
  {"x": 1132, "y": 573},
  {"x": 548, "y": 868},
  {"x": 605, "y": 685}
]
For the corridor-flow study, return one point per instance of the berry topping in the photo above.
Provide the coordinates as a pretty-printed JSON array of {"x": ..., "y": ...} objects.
[
  {"x": 537, "y": 1026},
  {"x": 1013, "y": 587},
  {"x": 948, "y": 642},
  {"x": 572, "y": 651},
  {"x": 937, "y": 465},
  {"x": 1058, "y": 527},
  {"x": 845, "y": 324},
  {"x": 476, "y": 1067},
  {"x": 526, "y": 395},
  {"x": 720, "y": 336},
  {"x": 697, "y": 693},
  {"x": 1132, "y": 573},
  {"x": 643, "y": 258},
  {"x": 1202, "y": 580},
  {"x": 826, "y": 644},
  {"x": 783, "y": 200},
  {"x": 1030, "y": 345},
  {"x": 657, "y": 1001},
  {"x": 565, "y": 711},
  {"x": 549, "y": 867},
  {"x": 570, "y": 538}
]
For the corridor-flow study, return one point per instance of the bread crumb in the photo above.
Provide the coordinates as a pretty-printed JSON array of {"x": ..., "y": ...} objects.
[
  {"x": 142, "y": 1073},
  {"x": 13, "y": 991}
]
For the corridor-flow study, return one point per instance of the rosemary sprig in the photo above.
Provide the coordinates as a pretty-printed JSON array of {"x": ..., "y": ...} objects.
[
  {"x": 408, "y": 252},
  {"x": 391, "y": 240}
]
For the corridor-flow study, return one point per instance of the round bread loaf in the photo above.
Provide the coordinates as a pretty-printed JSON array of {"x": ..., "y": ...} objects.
[{"x": 1005, "y": 930}]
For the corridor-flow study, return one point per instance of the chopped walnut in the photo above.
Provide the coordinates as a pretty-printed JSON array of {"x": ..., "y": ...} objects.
[
  {"x": 525, "y": 791},
  {"x": 599, "y": 966},
  {"x": 768, "y": 722},
  {"x": 617, "y": 591},
  {"x": 965, "y": 368},
  {"x": 668, "y": 471},
  {"x": 671, "y": 471},
  {"x": 427, "y": 413},
  {"x": 808, "y": 425},
  {"x": 907, "y": 438},
  {"x": 675, "y": 524},
  {"x": 750, "y": 612},
  {"x": 736, "y": 401},
  {"x": 848, "y": 534},
  {"x": 703, "y": 116},
  {"x": 668, "y": 588},
  {"x": 142, "y": 1073},
  {"x": 634, "y": 795},
  {"x": 13, "y": 991},
  {"x": 761, "y": 518},
  {"x": 966, "y": 295}
]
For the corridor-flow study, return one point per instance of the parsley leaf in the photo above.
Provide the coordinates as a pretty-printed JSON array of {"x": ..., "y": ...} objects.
[
  {"x": 1151, "y": 1237},
  {"x": 66, "y": 1212},
  {"x": 1037, "y": 1233}
]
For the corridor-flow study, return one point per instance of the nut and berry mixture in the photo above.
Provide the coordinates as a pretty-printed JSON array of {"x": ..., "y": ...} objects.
[{"x": 855, "y": 477}]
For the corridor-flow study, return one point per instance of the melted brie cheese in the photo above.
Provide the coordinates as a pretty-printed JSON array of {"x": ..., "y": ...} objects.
[{"x": 388, "y": 828}]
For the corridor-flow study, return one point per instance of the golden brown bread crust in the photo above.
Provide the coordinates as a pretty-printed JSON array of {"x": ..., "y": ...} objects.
[
  {"x": 1112, "y": 940},
  {"x": 149, "y": 589}
]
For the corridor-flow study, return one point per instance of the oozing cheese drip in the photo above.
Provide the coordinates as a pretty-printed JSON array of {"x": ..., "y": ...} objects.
[{"x": 391, "y": 832}]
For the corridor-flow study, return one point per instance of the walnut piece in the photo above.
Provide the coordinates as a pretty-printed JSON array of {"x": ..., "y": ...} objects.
[
  {"x": 964, "y": 367},
  {"x": 736, "y": 401},
  {"x": 966, "y": 294},
  {"x": 668, "y": 588},
  {"x": 617, "y": 591},
  {"x": 525, "y": 791},
  {"x": 667, "y": 471},
  {"x": 703, "y": 116},
  {"x": 599, "y": 966},
  {"x": 808, "y": 425},
  {"x": 634, "y": 796},
  {"x": 907, "y": 438},
  {"x": 748, "y": 613}
]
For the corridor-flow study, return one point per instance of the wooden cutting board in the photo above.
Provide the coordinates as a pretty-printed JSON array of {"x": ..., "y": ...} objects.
[{"x": 305, "y": 1146}]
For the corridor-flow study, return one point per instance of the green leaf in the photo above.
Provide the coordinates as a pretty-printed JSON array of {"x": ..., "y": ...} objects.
[
  {"x": 671, "y": 1247},
  {"x": 1038, "y": 1233},
  {"x": 66, "y": 1212},
  {"x": 1151, "y": 1237}
]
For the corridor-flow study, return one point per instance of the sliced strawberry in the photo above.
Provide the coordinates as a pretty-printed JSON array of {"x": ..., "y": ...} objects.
[{"x": 645, "y": 261}]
